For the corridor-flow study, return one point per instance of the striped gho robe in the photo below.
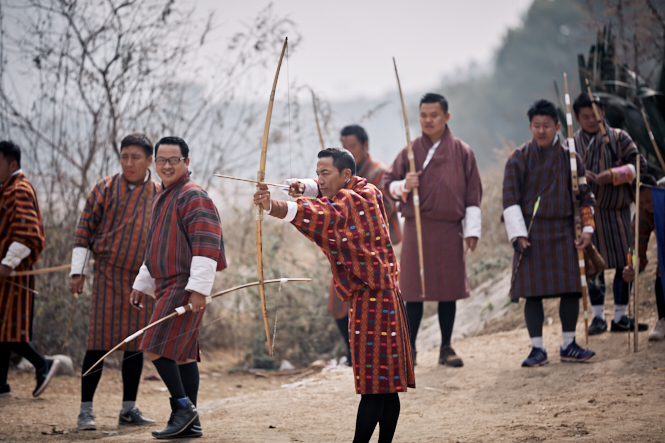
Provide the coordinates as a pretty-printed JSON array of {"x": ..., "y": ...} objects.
[
  {"x": 185, "y": 249},
  {"x": 22, "y": 241},
  {"x": 374, "y": 173},
  {"x": 550, "y": 266},
  {"x": 450, "y": 192},
  {"x": 352, "y": 232},
  {"x": 113, "y": 229},
  {"x": 612, "y": 234}
]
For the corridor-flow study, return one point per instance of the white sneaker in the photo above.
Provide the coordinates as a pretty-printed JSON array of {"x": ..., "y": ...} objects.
[{"x": 658, "y": 331}]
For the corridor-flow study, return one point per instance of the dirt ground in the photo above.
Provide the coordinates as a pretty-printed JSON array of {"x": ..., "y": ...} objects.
[{"x": 618, "y": 396}]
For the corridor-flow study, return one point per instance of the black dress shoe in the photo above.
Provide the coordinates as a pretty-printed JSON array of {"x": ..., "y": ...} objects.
[
  {"x": 44, "y": 375},
  {"x": 627, "y": 324},
  {"x": 181, "y": 418},
  {"x": 597, "y": 326}
]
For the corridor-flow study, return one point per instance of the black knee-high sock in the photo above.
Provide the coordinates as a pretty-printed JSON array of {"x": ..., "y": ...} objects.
[
  {"x": 569, "y": 311},
  {"x": 388, "y": 420},
  {"x": 132, "y": 367},
  {"x": 5, "y": 354},
  {"x": 660, "y": 302},
  {"x": 89, "y": 382},
  {"x": 170, "y": 374},
  {"x": 343, "y": 326},
  {"x": 189, "y": 375},
  {"x": 447, "y": 311},
  {"x": 370, "y": 411},
  {"x": 534, "y": 316},
  {"x": 414, "y": 312},
  {"x": 26, "y": 351}
]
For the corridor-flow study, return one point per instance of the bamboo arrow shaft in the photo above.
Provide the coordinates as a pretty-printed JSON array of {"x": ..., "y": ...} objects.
[
  {"x": 42, "y": 271},
  {"x": 186, "y": 308},
  {"x": 251, "y": 181},
  {"x": 653, "y": 140},
  {"x": 316, "y": 117},
  {"x": 416, "y": 196},
  {"x": 636, "y": 298}
]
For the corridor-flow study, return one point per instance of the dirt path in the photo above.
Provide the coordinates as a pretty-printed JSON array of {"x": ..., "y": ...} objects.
[{"x": 617, "y": 397}]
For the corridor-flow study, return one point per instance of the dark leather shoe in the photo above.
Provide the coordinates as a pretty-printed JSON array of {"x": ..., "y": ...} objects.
[
  {"x": 181, "y": 418},
  {"x": 448, "y": 357},
  {"x": 193, "y": 431},
  {"x": 597, "y": 326},
  {"x": 627, "y": 324}
]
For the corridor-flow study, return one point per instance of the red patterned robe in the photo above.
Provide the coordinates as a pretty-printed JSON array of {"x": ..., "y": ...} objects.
[
  {"x": 351, "y": 230},
  {"x": 114, "y": 225},
  {"x": 374, "y": 173},
  {"x": 184, "y": 224},
  {"x": 20, "y": 221}
]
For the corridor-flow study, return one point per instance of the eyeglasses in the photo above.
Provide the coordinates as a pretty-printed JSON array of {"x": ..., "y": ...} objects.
[{"x": 173, "y": 160}]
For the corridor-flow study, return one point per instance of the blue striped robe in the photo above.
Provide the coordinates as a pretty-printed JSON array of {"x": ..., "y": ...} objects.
[
  {"x": 549, "y": 268},
  {"x": 612, "y": 234}
]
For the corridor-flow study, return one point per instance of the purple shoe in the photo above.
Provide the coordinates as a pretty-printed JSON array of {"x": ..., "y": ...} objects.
[
  {"x": 537, "y": 357},
  {"x": 575, "y": 353}
]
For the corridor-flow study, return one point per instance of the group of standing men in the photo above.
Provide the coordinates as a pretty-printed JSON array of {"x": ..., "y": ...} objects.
[{"x": 350, "y": 212}]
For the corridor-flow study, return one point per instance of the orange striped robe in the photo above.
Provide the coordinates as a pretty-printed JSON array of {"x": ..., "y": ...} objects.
[{"x": 20, "y": 221}]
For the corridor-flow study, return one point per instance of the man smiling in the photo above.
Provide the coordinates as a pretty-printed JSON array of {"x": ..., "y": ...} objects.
[{"x": 184, "y": 251}]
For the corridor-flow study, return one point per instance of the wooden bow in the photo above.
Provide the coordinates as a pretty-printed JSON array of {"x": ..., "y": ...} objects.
[
  {"x": 181, "y": 310},
  {"x": 577, "y": 219},
  {"x": 316, "y": 117},
  {"x": 260, "y": 176},
  {"x": 416, "y": 197}
]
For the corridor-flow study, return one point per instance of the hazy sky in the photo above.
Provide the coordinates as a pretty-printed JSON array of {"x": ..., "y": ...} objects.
[{"x": 348, "y": 45}]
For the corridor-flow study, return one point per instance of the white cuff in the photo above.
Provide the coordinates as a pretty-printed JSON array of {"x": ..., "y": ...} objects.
[
  {"x": 292, "y": 211},
  {"x": 144, "y": 281},
  {"x": 80, "y": 261},
  {"x": 201, "y": 275},
  {"x": 397, "y": 188},
  {"x": 515, "y": 225},
  {"x": 311, "y": 186},
  {"x": 632, "y": 168},
  {"x": 472, "y": 222},
  {"x": 588, "y": 229},
  {"x": 15, "y": 254}
]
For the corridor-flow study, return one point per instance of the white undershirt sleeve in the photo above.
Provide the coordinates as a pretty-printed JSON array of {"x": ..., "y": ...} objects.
[
  {"x": 144, "y": 281},
  {"x": 15, "y": 254},
  {"x": 472, "y": 222},
  {"x": 515, "y": 225},
  {"x": 397, "y": 188},
  {"x": 632, "y": 168},
  {"x": 80, "y": 261},
  {"x": 588, "y": 229},
  {"x": 201, "y": 275}
]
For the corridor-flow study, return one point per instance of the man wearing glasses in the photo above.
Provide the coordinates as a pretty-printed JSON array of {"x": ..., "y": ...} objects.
[
  {"x": 113, "y": 230},
  {"x": 184, "y": 252}
]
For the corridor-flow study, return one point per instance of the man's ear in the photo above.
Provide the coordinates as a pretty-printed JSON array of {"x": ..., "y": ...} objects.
[{"x": 347, "y": 174}]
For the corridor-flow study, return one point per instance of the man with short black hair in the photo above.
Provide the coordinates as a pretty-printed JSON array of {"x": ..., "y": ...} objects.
[
  {"x": 545, "y": 263},
  {"x": 185, "y": 249},
  {"x": 113, "y": 229},
  {"x": 609, "y": 170},
  {"x": 345, "y": 216},
  {"x": 354, "y": 139},
  {"x": 450, "y": 193},
  {"x": 21, "y": 243}
]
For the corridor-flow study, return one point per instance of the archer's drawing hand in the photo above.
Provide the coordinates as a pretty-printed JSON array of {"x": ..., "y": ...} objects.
[
  {"x": 521, "y": 245},
  {"x": 296, "y": 189},
  {"x": 604, "y": 178},
  {"x": 262, "y": 197},
  {"x": 197, "y": 300},
  {"x": 628, "y": 274},
  {"x": 135, "y": 298},
  {"x": 471, "y": 243},
  {"x": 5, "y": 271},
  {"x": 590, "y": 176},
  {"x": 76, "y": 284},
  {"x": 412, "y": 180},
  {"x": 584, "y": 240}
]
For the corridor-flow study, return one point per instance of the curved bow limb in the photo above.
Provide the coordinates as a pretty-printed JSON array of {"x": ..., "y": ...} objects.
[
  {"x": 316, "y": 117},
  {"x": 260, "y": 176},
  {"x": 416, "y": 196},
  {"x": 182, "y": 309}
]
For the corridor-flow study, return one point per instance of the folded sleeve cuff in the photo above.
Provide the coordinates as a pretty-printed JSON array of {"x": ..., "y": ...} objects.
[
  {"x": 201, "y": 275},
  {"x": 515, "y": 225},
  {"x": 144, "y": 281},
  {"x": 311, "y": 186},
  {"x": 472, "y": 222},
  {"x": 15, "y": 254},
  {"x": 397, "y": 188},
  {"x": 80, "y": 260},
  {"x": 588, "y": 229}
]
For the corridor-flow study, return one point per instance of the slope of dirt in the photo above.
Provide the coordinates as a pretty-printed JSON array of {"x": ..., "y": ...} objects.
[{"x": 618, "y": 396}]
